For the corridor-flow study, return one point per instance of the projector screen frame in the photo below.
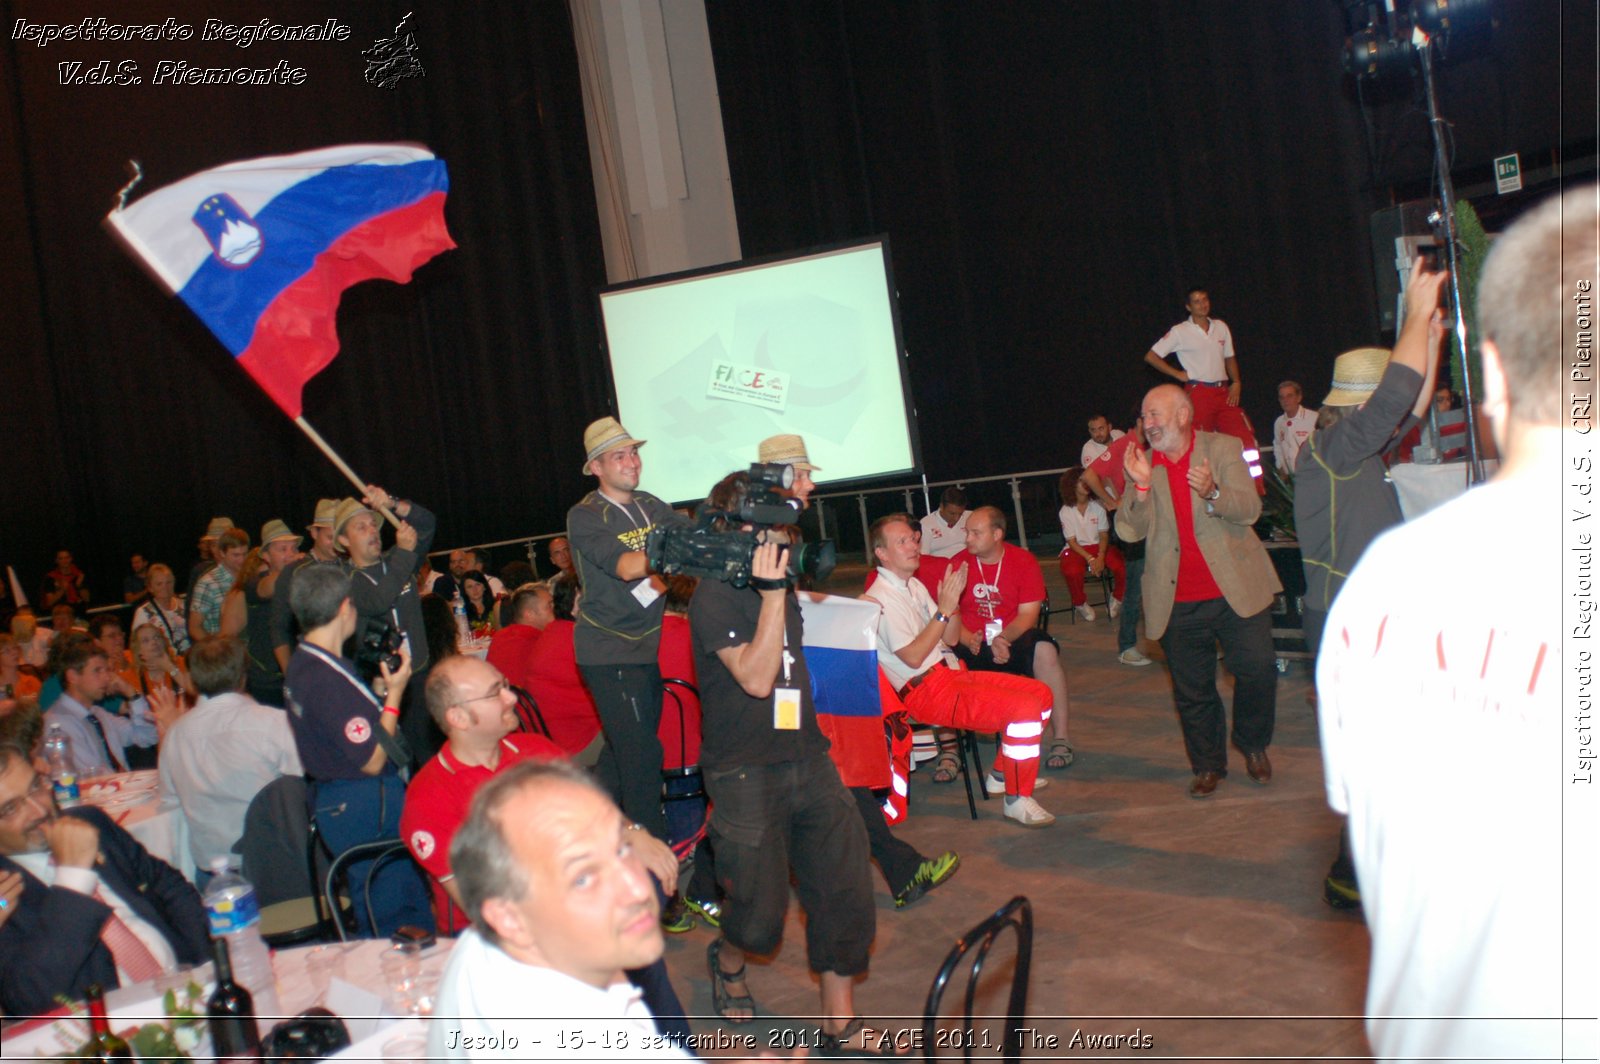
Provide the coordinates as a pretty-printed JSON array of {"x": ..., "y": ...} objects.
[{"x": 908, "y": 405}]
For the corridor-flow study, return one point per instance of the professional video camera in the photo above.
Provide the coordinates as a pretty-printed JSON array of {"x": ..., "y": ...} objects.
[{"x": 703, "y": 550}]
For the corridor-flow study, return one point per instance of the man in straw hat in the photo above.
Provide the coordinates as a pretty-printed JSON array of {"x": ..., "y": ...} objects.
[
  {"x": 1343, "y": 498},
  {"x": 247, "y": 609},
  {"x": 1444, "y": 734},
  {"x": 383, "y": 588},
  {"x": 322, "y": 552},
  {"x": 208, "y": 551},
  {"x": 1207, "y": 580},
  {"x": 619, "y": 618}
]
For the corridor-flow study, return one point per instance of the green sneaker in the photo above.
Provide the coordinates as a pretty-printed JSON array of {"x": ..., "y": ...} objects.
[
  {"x": 709, "y": 911},
  {"x": 676, "y": 917},
  {"x": 930, "y": 874}
]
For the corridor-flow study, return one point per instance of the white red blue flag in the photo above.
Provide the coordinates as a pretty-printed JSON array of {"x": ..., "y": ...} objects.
[
  {"x": 262, "y": 250},
  {"x": 841, "y": 641}
]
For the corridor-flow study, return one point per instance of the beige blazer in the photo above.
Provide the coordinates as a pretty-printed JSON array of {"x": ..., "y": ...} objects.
[{"x": 1238, "y": 561}]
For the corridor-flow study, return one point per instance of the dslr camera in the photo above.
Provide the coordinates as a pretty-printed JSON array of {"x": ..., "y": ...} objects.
[
  {"x": 718, "y": 546},
  {"x": 380, "y": 643}
]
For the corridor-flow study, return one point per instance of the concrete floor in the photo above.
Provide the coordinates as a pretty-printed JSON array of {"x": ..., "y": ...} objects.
[{"x": 1197, "y": 924}]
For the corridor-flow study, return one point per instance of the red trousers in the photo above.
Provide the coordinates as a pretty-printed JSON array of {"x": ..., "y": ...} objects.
[
  {"x": 1074, "y": 568},
  {"x": 1213, "y": 414},
  {"x": 1015, "y": 706}
]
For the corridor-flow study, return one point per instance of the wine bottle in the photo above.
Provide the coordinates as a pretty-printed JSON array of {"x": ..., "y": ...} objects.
[
  {"x": 231, "y": 1011},
  {"x": 104, "y": 1045}
]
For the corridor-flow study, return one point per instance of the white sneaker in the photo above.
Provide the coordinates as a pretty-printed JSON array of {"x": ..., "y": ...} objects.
[
  {"x": 1114, "y": 608},
  {"x": 1131, "y": 656},
  {"x": 997, "y": 785},
  {"x": 1086, "y": 611},
  {"x": 1028, "y": 813}
]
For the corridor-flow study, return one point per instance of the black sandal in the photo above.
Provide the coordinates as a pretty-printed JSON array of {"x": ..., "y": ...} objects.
[
  {"x": 833, "y": 1045},
  {"x": 722, "y": 998}
]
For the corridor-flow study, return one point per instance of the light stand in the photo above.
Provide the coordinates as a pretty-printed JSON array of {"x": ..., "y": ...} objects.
[{"x": 1447, "y": 207}]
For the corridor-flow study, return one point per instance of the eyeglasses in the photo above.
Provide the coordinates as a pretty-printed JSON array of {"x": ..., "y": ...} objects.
[
  {"x": 494, "y": 692},
  {"x": 39, "y": 786}
]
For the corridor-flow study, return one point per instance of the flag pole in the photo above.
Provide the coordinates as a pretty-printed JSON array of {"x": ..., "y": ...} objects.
[{"x": 344, "y": 467}]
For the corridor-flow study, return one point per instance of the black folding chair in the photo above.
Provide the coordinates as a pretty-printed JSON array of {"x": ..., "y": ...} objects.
[
  {"x": 528, "y": 716},
  {"x": 1016, "y": 914},
  {"x": 378, "y": 852}
]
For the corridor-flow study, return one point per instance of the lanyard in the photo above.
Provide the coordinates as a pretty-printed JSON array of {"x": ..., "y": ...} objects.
[
  {"x": 624, "y": 508},
  {"x": 997, "y": 567}
]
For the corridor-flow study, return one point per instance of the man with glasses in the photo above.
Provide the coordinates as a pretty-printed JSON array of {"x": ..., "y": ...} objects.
[{"x": 95, "y": 907}]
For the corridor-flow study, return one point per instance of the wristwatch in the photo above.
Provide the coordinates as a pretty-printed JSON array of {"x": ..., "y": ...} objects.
[
  {"x": 941, "y": 617},
  {"x": 1216, "y": 493}
]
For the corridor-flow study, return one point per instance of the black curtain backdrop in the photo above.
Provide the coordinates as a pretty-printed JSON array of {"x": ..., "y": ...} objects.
[
  {"x": 1052, "y": 177},
  {"x": 467, "y": 389}
]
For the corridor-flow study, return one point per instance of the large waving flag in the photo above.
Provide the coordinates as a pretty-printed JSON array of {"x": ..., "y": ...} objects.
[
  {"x": 262, "y": 250},
  {"x": 841, "y": 644}
]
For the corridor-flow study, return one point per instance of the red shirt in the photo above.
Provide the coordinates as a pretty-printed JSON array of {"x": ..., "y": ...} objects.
[
  {"x": 555, "y": 683},
  {"x": 998, "y": 590},
  {"x": 510, "y": 650},
  {"x": 436, "y": 805},
  {"x": 1195, "y": 582},
  {"x": 1109, "y": 465}
]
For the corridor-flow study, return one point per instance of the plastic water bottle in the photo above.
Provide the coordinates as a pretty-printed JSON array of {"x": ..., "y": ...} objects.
[
  {"x": 63, "y": 777},
  {"x": 459, "y": 607},
  {"x": 235, "y": 917}
]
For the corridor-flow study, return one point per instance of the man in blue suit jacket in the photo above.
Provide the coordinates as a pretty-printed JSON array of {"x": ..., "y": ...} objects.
[{"x": 77, "y": 870}]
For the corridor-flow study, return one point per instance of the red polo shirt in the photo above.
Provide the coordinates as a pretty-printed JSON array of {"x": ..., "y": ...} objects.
[{"x": 437, "y": 803}]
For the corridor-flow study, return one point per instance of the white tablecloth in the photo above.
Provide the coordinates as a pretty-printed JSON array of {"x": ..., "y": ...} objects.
[
  {"x": 134, "y": 800},
  {"x": 1423, "y": 487}
]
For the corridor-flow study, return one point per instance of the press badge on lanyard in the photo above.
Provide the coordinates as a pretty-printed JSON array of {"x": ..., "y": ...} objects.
[
  {"x": 645, "y": 592},
  {"x": 786, "y": 699}
]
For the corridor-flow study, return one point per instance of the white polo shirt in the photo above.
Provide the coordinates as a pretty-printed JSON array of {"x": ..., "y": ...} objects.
[
  {"x": 907, "y": 609},
  {"x": 1289, "y": 434},
  {"x": 1201, "y": 352},
  {"x": 1086, "y": 527},
  {"x": 942, "y": 540},
  {"x": 1092, "y": 450}
]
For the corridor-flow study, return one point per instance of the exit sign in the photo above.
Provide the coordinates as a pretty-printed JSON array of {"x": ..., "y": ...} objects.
[{"x": 1507, "y": 174}]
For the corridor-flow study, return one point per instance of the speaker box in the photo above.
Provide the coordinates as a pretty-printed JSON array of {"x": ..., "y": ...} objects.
[{"x": 1408, "y": 220}]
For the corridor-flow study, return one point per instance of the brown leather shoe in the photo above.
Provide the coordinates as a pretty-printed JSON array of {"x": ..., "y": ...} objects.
[
  {"x": 1204, "y": 784},
  {"x": 1259, "y": 767}
]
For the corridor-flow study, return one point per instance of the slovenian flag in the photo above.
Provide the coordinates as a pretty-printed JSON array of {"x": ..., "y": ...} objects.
[
  {"x": 841, "y": 641},
  {"x": 262, "y": 250}
]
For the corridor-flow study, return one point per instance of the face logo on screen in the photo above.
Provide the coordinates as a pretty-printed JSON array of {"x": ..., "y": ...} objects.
[{"x": 766, "y": 388}]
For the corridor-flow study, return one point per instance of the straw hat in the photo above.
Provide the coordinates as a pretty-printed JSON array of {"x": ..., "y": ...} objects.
[
  {"x": 217, "y": 527},
  {"x": 787, "y": 449},
  {"x": 604, "y": 435},
  {"x": 275, "y": 530},
  {"x": 1356, "y": 375},
  {"x": 347, "y": 509},
  {"x": 326, "y": 508}
]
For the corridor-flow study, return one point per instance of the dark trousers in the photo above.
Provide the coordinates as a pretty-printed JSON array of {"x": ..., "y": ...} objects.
[
  {"x": 795, "y": 816},
  {"x": 897, "y": 859},
  {"x": 1190, "y": 643},
  {"x": 1132, "y": 602},
  {"x": 349, "y": 812},
  {"x": 628, "y": 700}
]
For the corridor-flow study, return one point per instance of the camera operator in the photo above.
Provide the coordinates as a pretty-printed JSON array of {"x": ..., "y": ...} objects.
[
  {"x": 619, "y": 618},
  {"x": 346, "y": 738},
  {"x": 383, "y": 588},
  {"x": 777, "y": 801}
]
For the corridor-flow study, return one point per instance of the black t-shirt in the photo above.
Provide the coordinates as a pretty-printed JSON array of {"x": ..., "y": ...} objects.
[{"x": 737, "y": 728}]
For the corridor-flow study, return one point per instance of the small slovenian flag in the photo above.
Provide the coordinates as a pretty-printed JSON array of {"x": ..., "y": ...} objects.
[
  {"x": 841, "y": 641},
  {"x": 262, "y": 250}
]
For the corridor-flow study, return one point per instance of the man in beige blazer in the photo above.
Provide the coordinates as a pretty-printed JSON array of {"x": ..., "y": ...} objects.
[{"x": 1207, "y": 579}]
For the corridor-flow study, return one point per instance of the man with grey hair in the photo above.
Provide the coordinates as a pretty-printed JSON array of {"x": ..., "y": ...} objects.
[
  {"x": 1207, "y": 580},
  {"x": 561, "y": 906},
  {"x": 1442, "y": 722}
]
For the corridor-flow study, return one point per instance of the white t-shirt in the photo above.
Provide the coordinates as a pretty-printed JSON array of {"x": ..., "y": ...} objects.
[
  {"x": 1443, "y": 739},
  {"x": 487, "y": 999},
  {"x": 1092, "y": 450},
  {"x": 1289, "y": 434},
  {"x": 1201, "y": 352},
  {"x": 942, "y": 540},
  {"x": 1086, "y": 527}
]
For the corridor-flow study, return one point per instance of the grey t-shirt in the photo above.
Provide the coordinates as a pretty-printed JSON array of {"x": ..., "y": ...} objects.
[{"x": 613, "y": 628}]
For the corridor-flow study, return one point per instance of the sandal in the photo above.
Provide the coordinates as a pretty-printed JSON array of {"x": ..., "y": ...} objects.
[
  {"x": 1060, "y": 754},
  {"x": 946, "y": 767},
  {"x": 722, "y": 997},
  {"x": 875, "y": 1043}
]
